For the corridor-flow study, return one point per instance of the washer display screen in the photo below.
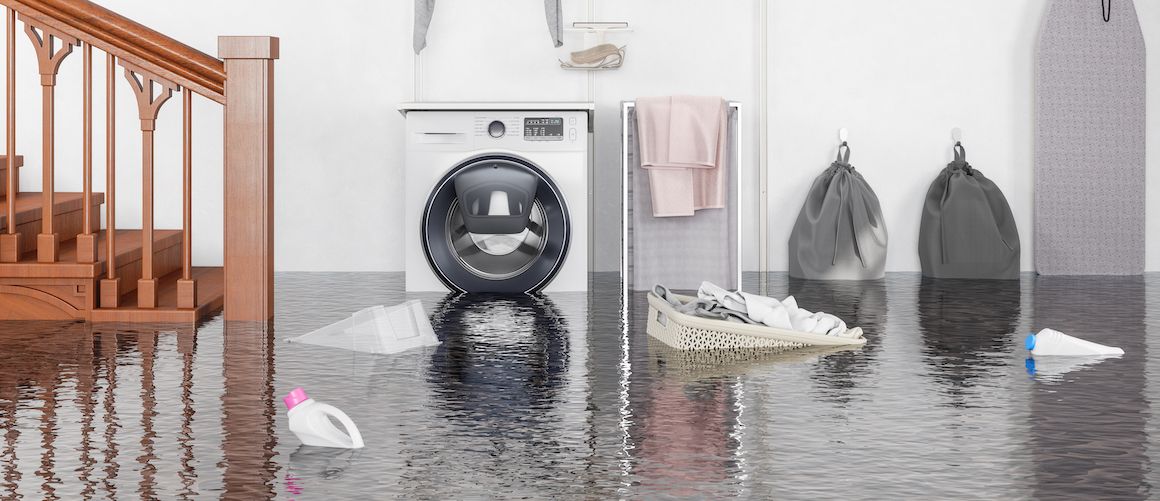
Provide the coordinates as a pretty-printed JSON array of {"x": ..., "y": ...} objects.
[{"x": 544, "y": 129}]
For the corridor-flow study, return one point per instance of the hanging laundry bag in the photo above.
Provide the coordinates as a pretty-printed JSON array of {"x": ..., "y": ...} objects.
[
  {"x": 840, "y": 233},
  {"x": 967, "y": 228}
]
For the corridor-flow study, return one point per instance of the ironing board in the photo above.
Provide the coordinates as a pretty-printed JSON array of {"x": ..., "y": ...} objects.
[{"x": 1089, "y": 140}]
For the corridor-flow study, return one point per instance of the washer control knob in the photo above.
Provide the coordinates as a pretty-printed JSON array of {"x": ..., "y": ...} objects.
[{"x": 496, "y": 129}]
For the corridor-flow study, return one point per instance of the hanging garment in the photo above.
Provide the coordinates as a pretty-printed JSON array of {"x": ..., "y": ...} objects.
[
  {"x": 683, "y": 147},
  {"x": 840, "y": 233},
  {"x": 1089, "y": 140},
  {"x": 967, "y": 228},
  {"x": 425, "y": 9},
  {"x": 555, "y": 21}
]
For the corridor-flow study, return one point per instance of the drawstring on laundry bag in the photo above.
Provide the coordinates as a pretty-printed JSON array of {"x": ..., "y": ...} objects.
[{"x": 1106, "y": 10}]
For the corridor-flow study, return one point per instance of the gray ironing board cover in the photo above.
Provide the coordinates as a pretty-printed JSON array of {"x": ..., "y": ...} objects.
[{"x": 1089, "y": 140}]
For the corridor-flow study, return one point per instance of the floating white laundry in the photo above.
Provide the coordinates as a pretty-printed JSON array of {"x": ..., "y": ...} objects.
[
  {"x": 781, "y": 314},
  {"x": 378, "y": 329}
]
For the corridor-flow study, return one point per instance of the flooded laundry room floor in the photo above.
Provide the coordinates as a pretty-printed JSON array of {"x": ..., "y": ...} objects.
[{"x": 549, "y": 397}]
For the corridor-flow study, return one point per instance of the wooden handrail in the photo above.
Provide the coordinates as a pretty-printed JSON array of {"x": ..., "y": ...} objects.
[{"x": 130, "y": 41}]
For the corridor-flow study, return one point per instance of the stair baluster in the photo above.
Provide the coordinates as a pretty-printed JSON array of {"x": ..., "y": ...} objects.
[
  {"x": 147, "y": 105},
  {"x": 49, "y": 59},
  {"x": 10, "y": 241},
  {"x": 186, "y": 287},
  {"x": 87, "y": 240},
  {"x": 111, "y": 284}
]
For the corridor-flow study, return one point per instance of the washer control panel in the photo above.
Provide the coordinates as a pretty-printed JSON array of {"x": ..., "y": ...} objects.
[
  {"x": 529, "y": 130},
  {"x": 544, "y": 129}
]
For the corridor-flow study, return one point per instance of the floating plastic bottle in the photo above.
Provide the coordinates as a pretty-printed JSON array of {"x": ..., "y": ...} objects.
[
  {"x": 1052, "y": 343},
  {"x": 310, "y": 422}
]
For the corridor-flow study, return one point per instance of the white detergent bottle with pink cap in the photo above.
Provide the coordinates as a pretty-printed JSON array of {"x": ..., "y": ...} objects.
[{"x": 310, "y": 421}]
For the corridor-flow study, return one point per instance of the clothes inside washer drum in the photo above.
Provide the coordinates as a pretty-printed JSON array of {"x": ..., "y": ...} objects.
[
  {"x": 839, "y": 233},
  {"x": 967, "y": 229},
  {"x": 1089, "y": 140}
]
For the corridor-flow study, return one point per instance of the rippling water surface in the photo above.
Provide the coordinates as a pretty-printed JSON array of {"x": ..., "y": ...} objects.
[{"x": 552, "y": 397}]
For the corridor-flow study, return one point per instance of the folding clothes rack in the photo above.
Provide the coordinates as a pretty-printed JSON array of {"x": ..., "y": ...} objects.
[{"x": 683, "y": 277}]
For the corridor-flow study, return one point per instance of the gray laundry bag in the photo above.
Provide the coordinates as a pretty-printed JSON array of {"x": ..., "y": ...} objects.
[
  {"x": 840, "y": 233},
  {"x": 967, "y": 228}
]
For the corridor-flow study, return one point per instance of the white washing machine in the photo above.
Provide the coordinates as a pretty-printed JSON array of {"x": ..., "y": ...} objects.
[{"x": 497, "y": 196}]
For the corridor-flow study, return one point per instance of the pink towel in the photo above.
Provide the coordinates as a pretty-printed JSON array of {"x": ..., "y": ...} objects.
[{"x": 683, "y": 141}]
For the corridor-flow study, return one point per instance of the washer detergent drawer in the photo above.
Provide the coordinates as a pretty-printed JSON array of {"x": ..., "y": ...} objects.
[{"x": 496, "y": 197}]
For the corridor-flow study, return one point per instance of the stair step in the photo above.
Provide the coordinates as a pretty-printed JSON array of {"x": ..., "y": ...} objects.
[
  {"x": 67, "y": 208},
  {"x": 166, "y": 244},
  {"x": 210, "y": 297},
  {"x": 4, "y": 171}
]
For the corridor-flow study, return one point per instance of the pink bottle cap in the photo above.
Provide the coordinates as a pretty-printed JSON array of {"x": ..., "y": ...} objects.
[{"x": 297, "y": 396}]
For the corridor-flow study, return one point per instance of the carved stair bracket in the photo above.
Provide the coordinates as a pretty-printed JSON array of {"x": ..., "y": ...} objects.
[
  {"x": 48, "y": 55},
  {"x": 148, "y": 104}
]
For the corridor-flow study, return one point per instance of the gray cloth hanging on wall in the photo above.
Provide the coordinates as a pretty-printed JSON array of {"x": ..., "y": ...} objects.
[
  {"x": 839, "y": 233},
  {"x": 967, "y": 228},
  {"x": 1089, "y": 140},
  {"x": 425, "y": 9}
]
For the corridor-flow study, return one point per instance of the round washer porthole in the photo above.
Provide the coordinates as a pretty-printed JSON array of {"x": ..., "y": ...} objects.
[{"x": 514, "y": 263}]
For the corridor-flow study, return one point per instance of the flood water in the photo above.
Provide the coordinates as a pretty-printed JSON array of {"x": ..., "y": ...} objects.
[{"x": 552, "y": 397}]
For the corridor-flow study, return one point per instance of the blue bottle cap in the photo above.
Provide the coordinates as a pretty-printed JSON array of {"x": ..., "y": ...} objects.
[
  {"x": 1030, "y": 341},
  {"x": 1029, "y": 364}
]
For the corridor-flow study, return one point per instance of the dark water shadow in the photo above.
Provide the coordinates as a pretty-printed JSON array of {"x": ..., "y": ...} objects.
[
  {"x": 858, "y": 303},
  {"x": 1088, "y": 429},
  {"x": 968, "y": 327}
]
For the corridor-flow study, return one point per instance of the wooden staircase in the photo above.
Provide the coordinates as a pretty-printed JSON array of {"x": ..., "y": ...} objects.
[
  {"x": 59, "y": 259},
  {"x": 71, "y": 288}
]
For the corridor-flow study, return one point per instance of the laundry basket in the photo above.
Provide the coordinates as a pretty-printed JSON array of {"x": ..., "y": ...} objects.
[{"x": 687, "y": 332}]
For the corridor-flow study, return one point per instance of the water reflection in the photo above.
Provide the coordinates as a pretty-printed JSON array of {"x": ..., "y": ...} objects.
[
  {"x": 685, "y": 426},
  {"x": 248, "y": 410},
  {"x": 551, "y": 397},
  {"x": 1088, "y": 432},
  {"x": 860, "y": 303},
  {"x": 500, "y": 357},
  {"x": 967, "y": 327}
]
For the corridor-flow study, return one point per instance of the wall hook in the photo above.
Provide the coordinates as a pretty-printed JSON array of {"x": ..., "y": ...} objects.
[
  {"x": 957, "y": 135},
  {"x": 843, "y": 134}
]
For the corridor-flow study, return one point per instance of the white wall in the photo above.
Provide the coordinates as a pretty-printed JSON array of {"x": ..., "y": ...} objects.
[{"x": 899, "y": 75}]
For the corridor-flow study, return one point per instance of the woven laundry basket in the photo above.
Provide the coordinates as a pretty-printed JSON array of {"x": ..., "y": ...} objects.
[{"x": 688, "y": 332}]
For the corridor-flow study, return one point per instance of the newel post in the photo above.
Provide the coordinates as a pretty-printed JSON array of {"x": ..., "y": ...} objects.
[{"x": 249, "y": 176}]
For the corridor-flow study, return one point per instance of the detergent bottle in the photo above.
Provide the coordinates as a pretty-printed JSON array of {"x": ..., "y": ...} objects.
[
  {"x": 1052, "y": 342},
  {"x": 310, "y": 421}
]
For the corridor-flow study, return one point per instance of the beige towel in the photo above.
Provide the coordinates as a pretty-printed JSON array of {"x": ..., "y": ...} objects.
[{"x": 683, "y": 141}]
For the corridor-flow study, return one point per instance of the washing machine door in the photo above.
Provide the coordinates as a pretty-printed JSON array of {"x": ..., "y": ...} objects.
[{"x": 496, "y": 223}]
